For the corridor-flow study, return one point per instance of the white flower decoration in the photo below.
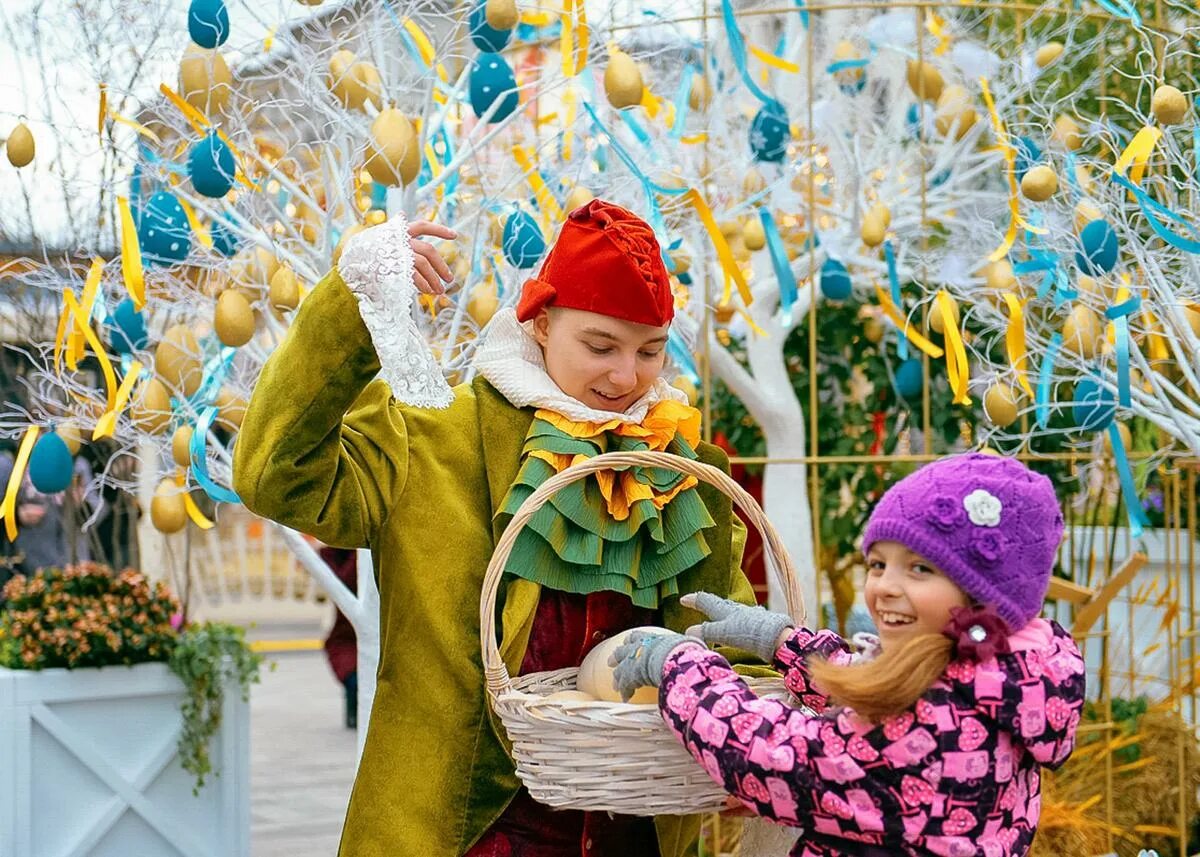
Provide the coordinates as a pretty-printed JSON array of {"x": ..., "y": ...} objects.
[{"x": 983, "y": 508}]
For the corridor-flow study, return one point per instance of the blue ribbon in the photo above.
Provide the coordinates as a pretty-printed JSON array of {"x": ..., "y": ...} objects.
[
  {"x": 199, "y": 460},
  {"x": 779, "y": 261},
  {"x": 1072, "y": 179},
  {"x": 894, "y": 280},
  {"x": 1122, "y": 9},
  {"x": 1119, "y": 316},
  {"x": 845, "y": 65},
  {"x": 682, "y": 98},
  {"x": 1152, "y": 208},
  {"x": 1042, "y": 405},
  {"x": 1196, "y": 149},
  {"x": 737, "y": 47},
  {"x": 1133, "y": 506}
]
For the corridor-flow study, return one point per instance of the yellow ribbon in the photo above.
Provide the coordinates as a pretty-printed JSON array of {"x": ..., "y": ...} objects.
[
  {"x": 1137, "y": 153},
  {"x": 1010, "y": 158},
  {"x": 131, "y": 256},
  {"x": 535, "y": 17},
  {"x": 197, "y": 226},
  {"x": 8, "y": 510},
  {"x": 545, "y": 200},
  {"x": 81, "y": 320},
  {"x": 728, "y": 263},
  {"x": 649, "y": 103},
  {"x": 957, "y": 368},
  {"x": 91, "y": 288},
  {"x": 569, "y": 122},
  {"x": 937, "y": 28},
  {"x": 141, "y": 129},
  {"x": 890, "y": 310},
  {"x": 574, "y": 40},
  {"x": 1014, "y": 341},
  {"x": 107, "y": 423},
  {"x": 692, "y": 139},
  {"x": 774, "y": 61},
  {"x": 201, "y": 123},
  {"x": 103, "y": 109},
  {"x": 425, "y": 47},
  {"x": 189, "y": 504},
  {"x": 269, "y": 39}
]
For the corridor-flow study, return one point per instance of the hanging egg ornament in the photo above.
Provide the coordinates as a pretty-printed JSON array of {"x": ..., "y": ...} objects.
[
  {"x": 1039, "y": 184},
  {"x": 177, "y": 359},
  {"x": 1048, "y": 53},
  {"x": 343, "y": 83},
  {"x": 1094, "y": 406},
  {"x": 1067, "y": 133},
  {"x": 754, "y": 235},
  {"x": 999, "y": 275},
  {"x": 850, "y": 80},
  {"x": 769, "y": 134},
  {"x": 1126, "y": 439},
  {"x": 284, "y": 294},
  {"x": 501, "y": 14},
  {"x": 51, "y": 467},
  {"x": 1099, "y": 248},
  {"x": 19, "y": 147},
  {"x": 1029, "y": 153},
  {"x": 578, "y": 197},
  {"x": 873, "y": 330},
  {"x": 492, "y": 78},
  {"x": 700, "y": 93},
  {"x": 954, "y": 112},
  {"x": 168, "y": 512},
  {"x": 204, "y": 79},
  {"x": 910, "y": 379},
  {"x": 211, "y": 166},
  {"x": 151, "y": 410},
  {"x": 1082, "y": 332},
  {"x": 208, "y": 23},
  {"x": 1169, "y": 105},
  {"x": 483, "y": 303},
  {"x": 231, "y": 408},
  {"x": 1192, "y": 313},
  {"x": 393, "y": 155},
  {"x": 875, "y": 225},
  {"x": 127, "y": 328},
  {"x": 181, "y": 446},
  {"x": 925, "y": 80},
  {"x": 163, "y": 230},
  {"x": 72, "y": 436},
  {"x": 754, "y": 183},
  {"x": 835, "y": 281},
  {"x": 370, "y": 81},
  {"x": 623, "y": 82},
  {"x": 233, "y": 320},
  {"x": 1001, "y": 405},
  {"x": 350, "y": 231},
  {"x": 484, "y": 36},
  {"x": 1085, "y": 213},
  {"x": 936, "y": 321},
  {"x": 523, "y": 243}
]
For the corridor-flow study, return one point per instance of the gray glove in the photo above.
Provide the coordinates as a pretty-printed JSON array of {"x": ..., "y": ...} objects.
[
  {"x": 751, "y": 629},
  {"x": 639, "y": 660}
]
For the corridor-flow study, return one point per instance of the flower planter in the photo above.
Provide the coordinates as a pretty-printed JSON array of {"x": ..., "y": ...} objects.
[{"x": 88, "y": 766}]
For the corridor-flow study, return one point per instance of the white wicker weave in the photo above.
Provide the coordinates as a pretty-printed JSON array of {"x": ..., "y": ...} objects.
[{"x": 598, "y": 755}]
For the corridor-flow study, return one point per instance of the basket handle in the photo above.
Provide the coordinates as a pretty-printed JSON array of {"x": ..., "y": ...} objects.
[{"x": 778, "y": 561}]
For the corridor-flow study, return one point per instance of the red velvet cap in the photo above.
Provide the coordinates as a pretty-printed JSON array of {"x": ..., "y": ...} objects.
[{"x": 606, "y": 260}]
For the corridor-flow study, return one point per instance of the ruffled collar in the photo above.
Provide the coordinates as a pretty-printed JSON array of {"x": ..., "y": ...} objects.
[{"x": 511, "y": 361}]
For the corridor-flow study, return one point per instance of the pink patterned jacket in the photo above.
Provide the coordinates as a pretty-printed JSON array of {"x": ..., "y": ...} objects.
[{"x": 957, "y": 775}]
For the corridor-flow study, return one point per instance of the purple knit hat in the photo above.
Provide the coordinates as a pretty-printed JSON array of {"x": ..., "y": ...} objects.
[{"x": 990, "y": 523}]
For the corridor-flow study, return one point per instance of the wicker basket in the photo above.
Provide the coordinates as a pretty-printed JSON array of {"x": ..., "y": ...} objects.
[{"x": 600, "y": 755}]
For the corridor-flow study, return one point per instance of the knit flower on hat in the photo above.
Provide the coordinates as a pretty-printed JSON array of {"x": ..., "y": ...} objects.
[
  {"x": 945, "y": 513},
  {"x": 978, "y": 632},
  {"x": 988, "y": 546},
  {"x": 983, "y": 508}
]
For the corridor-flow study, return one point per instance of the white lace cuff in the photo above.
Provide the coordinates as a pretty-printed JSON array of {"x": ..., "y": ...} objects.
[{"x": 377, "y": 267}]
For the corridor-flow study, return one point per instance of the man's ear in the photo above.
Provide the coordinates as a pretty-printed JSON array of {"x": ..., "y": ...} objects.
[{"x": 541, "y": 327}]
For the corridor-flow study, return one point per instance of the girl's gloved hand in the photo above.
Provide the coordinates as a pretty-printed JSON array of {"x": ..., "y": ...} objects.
[
  {"x": 639, "y": 660},
  {"x": 751, "y": 629}
]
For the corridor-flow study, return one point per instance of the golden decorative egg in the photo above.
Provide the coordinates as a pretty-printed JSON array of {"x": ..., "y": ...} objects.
[
  {"x": 1085, "y": 213},
  {"x": 393, "y": 156},
  {"x": 875, "y": 225},
  {"x": 233, "y": 320},
  {"x": 204, "y": 79},
  {"x": 954, "y": 112},
  {"x": 230, "y": 408},
  {"x": 167, "y": 510},
  {"x": 1082, "y": 332},
  {"x": 285, "y": 290},
  {"x": 1001, "y": 404},
  {"x": 999, "y": 275},
  {"x": 342, "y": 82},
  {"x": 1192, "y": 312},
  {"x": 20, "y": 146},
  {"x": 181, "y": 443},
  {"x": 483, "y": 303},
  {"x": 351, "y": 230},
  {"x": 925, "y": 80},
  {"x": 936, "y": 323},
  {"x": 1169, "y": 105},
  {"x": 1048, "y": 53},
  {"x": 753, "y": 234},
  {"x": 1126, "y": 439},
  {"x": 723, "y": 313},
  {"x": 177, "y": 359},
  {"x": 578, "y": 197},
  {"x": 501, "y": 14},
  {"x": 845, "y": 50},
  {"x": 682, "y": 260},
  {"x": 368, "y": 78},
  {"x": 623, "y": 81},
  {"x": 700, "y": 94},
  {"x": 685, "y": 385},
  {"x": 1067, "y": 133},
  {"x": 1039, "y": 183},
  {"x": 754, "y": 183},
  {"x": 152, "y": 408},
  {"x": 873, "y": 330},
  {"x": 1100, "y": 290}
]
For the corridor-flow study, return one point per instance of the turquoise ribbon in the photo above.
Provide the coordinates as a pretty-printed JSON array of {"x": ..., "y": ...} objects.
[
  {"x": 1119, "y": 316},
  {"x": 1122, "y": 9},
  {"x": 894, "y": 280},
  {"x": 737, "y": 47},
  {"x": 845, "y": 65},
  {"x": 1042, "y": 405},
  {"x": 1196, "y": 149},
  {"x": 199, "y": 459},
  {"x": 682, "y": 101},
  {"x": 779, "y": 261},
  {"x": 1151, "y": 208},
  {"x": 1133, "y": 506},
  {"x": 1072, "y": 179}
]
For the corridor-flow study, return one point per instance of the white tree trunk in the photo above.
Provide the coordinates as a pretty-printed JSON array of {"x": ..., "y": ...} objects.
[{"x": 367, "y": 630}]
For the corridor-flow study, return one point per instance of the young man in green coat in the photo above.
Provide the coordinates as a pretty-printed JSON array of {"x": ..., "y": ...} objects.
[{"x": 329, "y": 449}]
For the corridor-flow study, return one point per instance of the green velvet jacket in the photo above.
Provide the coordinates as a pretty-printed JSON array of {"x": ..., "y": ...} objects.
[{"x": 326, "y": 450}]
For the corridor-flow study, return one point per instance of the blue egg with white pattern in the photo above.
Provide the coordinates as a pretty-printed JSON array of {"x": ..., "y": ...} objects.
[
  {"x": 491, "y": 78},
  {"x": 211, "y": 167},
  {"x": 1094, "y": 406},
  {"x": 51, "y": 466},
  {"x": 1098, "y": 248},
  {"x": 225, "y": 240},
  {"x": 1029, "y": 154},
  {"x": 484, "y": 36},
  {"x": 835, "y": 281},
  {"x": 127, "y": 328},
  {"x": 769, "y": 132},
  {"x": 523, "y": 243},
  {"x": 208, "y": 23},
  {"x": 163, "y": 231},
  {"x": 910, "y": 379}
]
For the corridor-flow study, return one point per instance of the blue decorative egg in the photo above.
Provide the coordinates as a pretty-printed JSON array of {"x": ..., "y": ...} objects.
[
  {"x": 50, "y": 464},
  {"x": 225, "y": 239},
  {"x": 485, "y": 37},
  {"x": 1094, "y": 407},
  {"x": 910, "y": 380},
  {"x": 1098, "y": 249},
  {"x": 211, "y": 167},
  {"x": 492, "y": 77},
  {"x": 912, "y": 120},
  {"x": 769, "y": 134},
  {"x": 1028, "y": 155},
  {"x": 523, "y": 243},
  {"x": 128, "y": 333},
  {"x": 208, "y": 23},
  {"x": 163, "y": 231},
  {"x": 835, "y": 280}
]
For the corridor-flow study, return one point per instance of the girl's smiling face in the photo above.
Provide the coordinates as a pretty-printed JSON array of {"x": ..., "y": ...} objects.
[
  {"x": 907, "y": 595},
  {"x": 604, "y": 362}
]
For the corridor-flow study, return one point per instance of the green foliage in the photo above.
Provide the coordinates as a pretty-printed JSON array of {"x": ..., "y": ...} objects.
[{"x": 207, "y": 658}]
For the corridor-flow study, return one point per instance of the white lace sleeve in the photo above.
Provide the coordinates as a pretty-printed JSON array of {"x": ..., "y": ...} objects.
[{"x": 377, "y": 267}]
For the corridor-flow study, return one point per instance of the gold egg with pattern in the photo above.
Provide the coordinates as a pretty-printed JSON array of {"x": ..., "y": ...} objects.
[
  {"x": 754, "y": 183},
  {"x": 874, "y": 225},
  {"x": 1126, "y": 439},
  {"x": 71, "y": 434},
  {"x": 684, "y": 384}
]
